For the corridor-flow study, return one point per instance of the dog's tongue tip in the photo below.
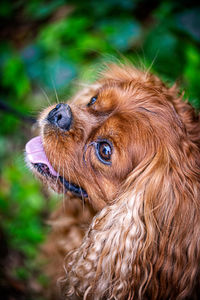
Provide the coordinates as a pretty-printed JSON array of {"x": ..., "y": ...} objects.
[
  {"x": 35, "y": 153},
  {"x": 34, "y": 145}
]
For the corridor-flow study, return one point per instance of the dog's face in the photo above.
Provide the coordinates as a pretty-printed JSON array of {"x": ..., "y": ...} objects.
[{"x": 91, "y": 146}]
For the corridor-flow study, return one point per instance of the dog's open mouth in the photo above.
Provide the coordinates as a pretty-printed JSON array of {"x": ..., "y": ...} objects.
[{"x": 37, "y": 157}]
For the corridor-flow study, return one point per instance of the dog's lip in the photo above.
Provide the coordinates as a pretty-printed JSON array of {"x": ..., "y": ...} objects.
[
  {"x": 43, "y": 169},
  {"x": 36, "y": 154},
  {"x": 73, "y": 188}
]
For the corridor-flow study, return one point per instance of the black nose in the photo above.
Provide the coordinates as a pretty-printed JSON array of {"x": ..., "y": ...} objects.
[{"x": 61, "y": 116}]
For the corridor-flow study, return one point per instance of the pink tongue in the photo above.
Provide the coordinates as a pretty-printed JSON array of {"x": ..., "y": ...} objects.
[{"x": 35, "y": 153}]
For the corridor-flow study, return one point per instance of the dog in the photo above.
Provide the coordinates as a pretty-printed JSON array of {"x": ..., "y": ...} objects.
[{"x": 125, "y": 152}]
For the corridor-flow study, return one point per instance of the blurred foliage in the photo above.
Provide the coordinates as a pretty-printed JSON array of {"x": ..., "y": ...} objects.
[{"x": 44, "y": 46}]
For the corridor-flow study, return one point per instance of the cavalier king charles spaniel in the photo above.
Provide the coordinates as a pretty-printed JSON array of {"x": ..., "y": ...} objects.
[{"x": 125, "y": 152}]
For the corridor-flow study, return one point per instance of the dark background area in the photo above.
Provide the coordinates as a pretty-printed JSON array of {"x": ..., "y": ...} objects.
[{"x": 45, "y": 48}]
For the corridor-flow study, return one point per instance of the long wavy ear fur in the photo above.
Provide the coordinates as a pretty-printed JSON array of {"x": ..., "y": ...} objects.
[
  {"x": 146, "y": 245},
  {"x": 190, "y": 117}
]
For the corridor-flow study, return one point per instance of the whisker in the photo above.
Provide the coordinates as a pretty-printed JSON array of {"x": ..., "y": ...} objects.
[
  {"x": 152, "y": 63},
  {"x": 54, "y": 87},
  {"x": 63, "y": 193},
  {"x": 59, "y": 163},
  {"x": 45, "y": 95},
  {"x": 79, "y": 186},
  {"x": 58, "y": 172}
]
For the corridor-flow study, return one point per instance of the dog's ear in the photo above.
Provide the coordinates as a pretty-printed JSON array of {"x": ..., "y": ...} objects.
[
  {"x": 189, "y": 117},
  {"x": 103, "y": 265},
  {"x": 146, "y": 244},
  {"x": 169, "y": 191},
  {"x": 147, "y": 241}
]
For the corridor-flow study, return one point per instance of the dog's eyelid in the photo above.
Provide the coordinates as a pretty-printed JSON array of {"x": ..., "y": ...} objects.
[
  {"x": 92, "y": 100},
  {"x": 104, "y": 151}
]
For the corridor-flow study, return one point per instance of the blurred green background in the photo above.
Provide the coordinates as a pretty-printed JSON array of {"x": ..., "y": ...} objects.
[{"x": 44, "y": 47}]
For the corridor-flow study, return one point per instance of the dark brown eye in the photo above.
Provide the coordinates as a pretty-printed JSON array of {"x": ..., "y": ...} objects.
[
  {"x": 104, "y": 152},
  {"x": 92, "y": 100}
]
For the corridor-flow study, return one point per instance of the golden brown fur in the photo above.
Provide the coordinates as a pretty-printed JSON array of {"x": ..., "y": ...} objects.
[{"x": 144, "y": 239}]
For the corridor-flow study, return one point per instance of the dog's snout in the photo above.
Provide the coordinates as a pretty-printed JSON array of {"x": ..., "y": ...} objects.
[{"x": 61, "y": 116}]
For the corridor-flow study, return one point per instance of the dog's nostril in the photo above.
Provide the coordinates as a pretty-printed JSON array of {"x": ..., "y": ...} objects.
[{"x": 61, "y": 116}]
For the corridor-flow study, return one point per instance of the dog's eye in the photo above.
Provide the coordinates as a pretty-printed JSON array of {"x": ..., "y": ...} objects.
[
  {"x": 104, "y": 152},
  {"x": 92, "y": 100}
]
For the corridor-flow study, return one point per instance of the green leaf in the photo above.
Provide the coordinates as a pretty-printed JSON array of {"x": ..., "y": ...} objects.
[
  {"x": 163, "y": 50},
  {"x": 6, "y": 9},
  {"x": 14, "y": 76},
  {"x": 121, "y": 33},
  {"x": 192, "y": 74},
  {"x": 188, "y": 21},
  {"x": 38, "y": 9}
]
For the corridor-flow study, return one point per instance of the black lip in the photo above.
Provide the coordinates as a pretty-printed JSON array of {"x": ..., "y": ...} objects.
[
  {"x": 43, "y": 169},
  {"x": 72, "y": 187},
  {"x": 75, "y": 189}
]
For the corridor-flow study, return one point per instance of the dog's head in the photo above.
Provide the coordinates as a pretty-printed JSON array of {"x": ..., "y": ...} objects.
[{"x": 89, "y": 147}]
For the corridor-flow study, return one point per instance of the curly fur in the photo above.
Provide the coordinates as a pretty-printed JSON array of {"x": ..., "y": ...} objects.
[{"x": 144, "y": 241}]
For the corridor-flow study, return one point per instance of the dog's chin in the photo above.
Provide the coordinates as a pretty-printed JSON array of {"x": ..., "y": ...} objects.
[{"x": 39, "y": 164}]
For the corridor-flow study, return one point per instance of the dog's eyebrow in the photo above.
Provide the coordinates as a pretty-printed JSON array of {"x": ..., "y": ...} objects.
[{"x": 143, "y": 108}]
